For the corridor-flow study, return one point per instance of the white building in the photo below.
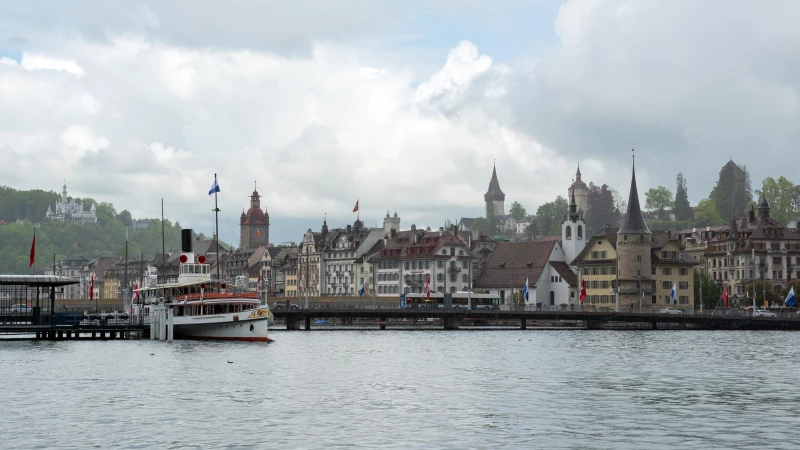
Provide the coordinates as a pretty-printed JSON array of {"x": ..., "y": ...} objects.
[{"x": 71, "y": 211}]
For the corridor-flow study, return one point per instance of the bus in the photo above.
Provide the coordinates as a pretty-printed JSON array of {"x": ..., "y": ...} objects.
[{"x": 459, "y": 300}]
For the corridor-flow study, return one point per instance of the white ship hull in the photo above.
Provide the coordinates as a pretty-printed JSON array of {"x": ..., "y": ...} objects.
[{"x": 251, "y": 325}]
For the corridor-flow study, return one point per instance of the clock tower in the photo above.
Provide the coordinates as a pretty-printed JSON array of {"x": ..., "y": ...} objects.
[{"x": 254, "y": 225}]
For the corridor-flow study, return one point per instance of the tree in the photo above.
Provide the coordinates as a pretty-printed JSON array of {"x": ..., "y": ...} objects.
[
  {"x": 518, "y": 211},
  {"x": 780, "y": 195},
  {"x": 549, "y": 216},
  {"x": 658, "y": 199},
  {"x": 602, "y": 207},
  {"x": 733, "y": 191},
  {"x": 706, "y": 215},
  {"x": 532, "y": 229},
  {"x": 711, "y": 291},
  {"x": 125, "y": 217},
  {"x": 619, "y": 203},
  {"x": 482, "y": 225},
  {"x": 683, "y": 210}
]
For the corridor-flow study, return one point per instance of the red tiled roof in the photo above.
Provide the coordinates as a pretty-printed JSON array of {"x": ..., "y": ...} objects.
[
  {"x": 563, "y": 269},
  {"x": 511, "y": 263}
]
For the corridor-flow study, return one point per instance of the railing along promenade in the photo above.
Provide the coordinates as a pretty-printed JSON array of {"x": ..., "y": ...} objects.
[{"x": 588, "y": 317}]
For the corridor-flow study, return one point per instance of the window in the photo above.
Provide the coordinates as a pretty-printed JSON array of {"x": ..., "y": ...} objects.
[
  {"x": 603, "y": 270},
  {"x": 776, "y": 260},
  {"x": 594, "y": 271},
  {"x": 666, "y": 285},
  {"x": 580, "y": 232},
  {"x": 595, "y": 255},
  {"x": 603, "y": 254},
  {"x": 568, "y": 233},
  {"x": 653, "y": 270},
  {"x": 464, "y": 265},
  {"x": 666, "y": 271},
  {"x": 639, "y": 258},
  {"x": 586, "y": 271},
  {"x": 683, "y": 285},
  {"x": 653, "y": 300},
  {"x": 604, "y": 284},
  {"x": 684, "y": 271},
  {"x": 407, "y": 265},
  {"x": 613, "y": 270},
  {"x": 683, "y": 299},
  {"x": 595, "y": 284},
  {"x": 667, "y": 299}
]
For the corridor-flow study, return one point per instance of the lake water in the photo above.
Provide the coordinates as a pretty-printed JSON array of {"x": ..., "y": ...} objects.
[{"x": 408, "y": 389}]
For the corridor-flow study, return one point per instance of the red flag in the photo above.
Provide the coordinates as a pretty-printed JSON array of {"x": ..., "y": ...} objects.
[
  {"x": 356, "y": 208},
  {"x": 33, "y": 248},
  {"x": 91, "y": 289},
  {"x": 75, "y": 244},
  {"x": 428, "y": 288},
  {"x": 725, "y": 296},
  {"x": 583, "y": 290}
]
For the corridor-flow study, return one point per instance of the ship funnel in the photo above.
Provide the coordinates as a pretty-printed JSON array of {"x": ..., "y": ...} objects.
[{"x": 186, "y": 245}]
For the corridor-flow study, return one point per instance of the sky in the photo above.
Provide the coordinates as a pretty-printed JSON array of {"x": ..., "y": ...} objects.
[{"x": 403, "y": 106}]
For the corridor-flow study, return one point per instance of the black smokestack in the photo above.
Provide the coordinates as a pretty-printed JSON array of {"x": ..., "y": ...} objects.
[{"x": 186, "y": 240}]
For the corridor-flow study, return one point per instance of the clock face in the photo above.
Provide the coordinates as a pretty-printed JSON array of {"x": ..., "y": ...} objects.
[{"x": 259, "y": 233}]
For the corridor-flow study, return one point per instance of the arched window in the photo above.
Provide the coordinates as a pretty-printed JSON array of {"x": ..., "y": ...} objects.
[
  {"x": 580, "y": 231},
  {"x": 568, "y": 233}
]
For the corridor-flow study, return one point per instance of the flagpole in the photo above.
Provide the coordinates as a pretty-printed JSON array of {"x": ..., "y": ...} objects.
[{"x": 216, "y": 220}]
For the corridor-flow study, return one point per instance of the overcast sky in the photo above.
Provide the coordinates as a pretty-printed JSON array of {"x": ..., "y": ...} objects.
[{"x": 403, "y": 105}]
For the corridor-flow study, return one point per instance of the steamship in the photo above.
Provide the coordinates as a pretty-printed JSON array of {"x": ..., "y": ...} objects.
[{"x": 199, "y": 307}]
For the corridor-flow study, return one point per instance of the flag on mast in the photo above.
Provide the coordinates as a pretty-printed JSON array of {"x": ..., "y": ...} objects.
[
  {"x": 428, "y": 288},
  {"x": 725, "y": 296},
  {"x": 526, "y": 290},
  {"x": 91, "y": 289},
  {"x": 33, "y": 248},
  {"x": 674, "y": 294},
  {"x": 355, "y": 209},
  {"x": 214, "y": 187},
  {"x": 583, "y": 291},
  {"x": 790, "y": 300},
  {"x": 363, "y": 287}
]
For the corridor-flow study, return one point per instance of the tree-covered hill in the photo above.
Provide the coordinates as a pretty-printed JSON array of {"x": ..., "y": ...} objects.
[{"x": 105, "y": 238}]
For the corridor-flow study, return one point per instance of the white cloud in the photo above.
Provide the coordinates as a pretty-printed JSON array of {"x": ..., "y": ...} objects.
[
  {"x": 82, "y": 139},
  {"x": 41, "y": 62}
]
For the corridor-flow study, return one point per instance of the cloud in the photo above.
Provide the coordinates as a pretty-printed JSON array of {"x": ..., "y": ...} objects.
[{"x": 41, "y": 62}]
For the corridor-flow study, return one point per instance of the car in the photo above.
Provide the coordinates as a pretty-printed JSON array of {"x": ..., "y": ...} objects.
[
  {"x": 763, "y": 313},
  {"x": 280, "y": 304},
  {"x": 734, "y": 312},
  {"x": 671, "y": 311},
  {"x": 21, "y": 308}
]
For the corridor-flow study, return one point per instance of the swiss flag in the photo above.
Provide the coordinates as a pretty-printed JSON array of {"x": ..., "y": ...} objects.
[
  {"x": 33, "y": 249},
  {"x": 725, "y": 296},
  {"x": 583, "y": 290},
  {"x": 428, "y": 288},
  {"x": 356, "y": 208}
]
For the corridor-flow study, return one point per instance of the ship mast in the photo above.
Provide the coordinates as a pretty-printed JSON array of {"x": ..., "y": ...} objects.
[{"x": 216, "y": 220}]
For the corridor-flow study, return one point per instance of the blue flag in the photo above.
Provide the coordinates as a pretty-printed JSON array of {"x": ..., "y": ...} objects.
[
  {"x": 674, "y": 294},
  {"x": 526, "y": 289},
  {"x": 363, "y": 287},
  {"x": 214, "y": 187},
  {"x": 790, "y": 301}
]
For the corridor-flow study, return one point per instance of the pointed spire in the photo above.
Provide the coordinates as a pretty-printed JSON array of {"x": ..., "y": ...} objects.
[
  {"x": 494, "y": 190},
  {"x": 578, "y": 173},
  {"x": 573, "y": 206},
  {"x": 634, "y": 223}
]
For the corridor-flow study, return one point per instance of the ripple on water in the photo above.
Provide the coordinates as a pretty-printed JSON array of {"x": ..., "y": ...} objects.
[{"x": 406, "y": 389}]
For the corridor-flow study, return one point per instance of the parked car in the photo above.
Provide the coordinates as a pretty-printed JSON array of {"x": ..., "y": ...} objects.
[
  {"x": 734, "y": 312},
  {"x": 763, "y": 313},
  {"x": 21, "y": 308},
  {"x": 280, "y": 304},
  {"x": 671, "y": 311}
]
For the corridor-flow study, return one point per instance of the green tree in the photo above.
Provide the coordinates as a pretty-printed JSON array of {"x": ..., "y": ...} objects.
[
  {"x": 125, "y": 217},
  {"x": 518, "y": 211},
  {"x": 780, "y": 195},
  {"x": 658, "y": 199},
  {"x": 683, "y": 210},
  {"x": 106, "y": 213},
  {"x": 733, "y": 190},
  {"x": 711, "y": 291},
  {"x": 482, "y": 225},
  {"x": 602, "y": 207},
  {"x": 549, "y": 216},
  {"x": 532, "y": 229},
  {"x": 706, "y": 215}
]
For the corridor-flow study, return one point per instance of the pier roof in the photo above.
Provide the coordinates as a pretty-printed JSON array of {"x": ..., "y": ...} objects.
[{"x": 37, "y": 280}]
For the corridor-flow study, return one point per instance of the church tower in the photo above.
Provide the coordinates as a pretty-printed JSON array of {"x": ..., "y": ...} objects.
[
  {"x": 391, "y": 223},
  {"x": 581, "y": 192},
  {"x": 254, "y": 225},
  {"x": 573, "y": 230},
  {"x": 494, "y": 196},
  {"x": 634, "y": 242}
]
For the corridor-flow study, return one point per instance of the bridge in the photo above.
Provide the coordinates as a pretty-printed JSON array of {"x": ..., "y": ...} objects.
[{"x": 452, "y": 318}]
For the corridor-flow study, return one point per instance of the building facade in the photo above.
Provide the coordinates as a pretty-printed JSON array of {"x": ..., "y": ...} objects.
[
  {"x": 254, "y": 225},
  {"x": 71, "y": 210}
]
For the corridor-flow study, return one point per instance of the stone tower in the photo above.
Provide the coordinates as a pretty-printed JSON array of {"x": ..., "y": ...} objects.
[
  {"x": 391, "y": 223},
  {"x": 495, "y": 196},
  {"x": 581, "y": 192},
  {"x": 634, "y": 243},
  {"x": 573, "y": 229},
  {"x": 254, "y": 225}
]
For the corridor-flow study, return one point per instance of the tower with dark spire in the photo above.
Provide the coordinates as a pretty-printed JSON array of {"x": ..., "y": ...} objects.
[
  {"x": 494, "y": 196},
  {"x": 634, "y": 244},
  {"x": 580, "y": 191},
  {"x": 254, "y": 224}
]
